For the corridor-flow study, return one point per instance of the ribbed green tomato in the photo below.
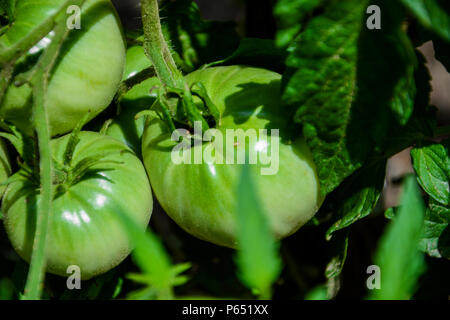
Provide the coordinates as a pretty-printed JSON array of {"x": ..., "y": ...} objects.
[
  {"x": 86, "y": 228},
  {"x": 88, "y": 70},
  {"x": 201, "y": 198}
]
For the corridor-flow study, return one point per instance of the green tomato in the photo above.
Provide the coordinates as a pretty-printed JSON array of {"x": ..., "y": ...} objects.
[
  {"x": 124, "y": 126},
  {"x": 136, "y": 61},
  {"x": 5, "y": 166},
  {"x": 85, "y": 229},
  {"x": 201, "y": 198},
  {"x": 87, "y": 73}
]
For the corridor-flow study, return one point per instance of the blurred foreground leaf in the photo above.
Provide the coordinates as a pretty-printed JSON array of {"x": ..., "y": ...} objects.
[
  {"x": 258, "y": 259},
  {"x": 397, "y": 256},
  {"x": 158, "y": 274}
]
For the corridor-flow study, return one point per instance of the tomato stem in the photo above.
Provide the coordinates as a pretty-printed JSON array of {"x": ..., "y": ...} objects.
[
  {"x": 130, "y": 82},
  {"x": 156, "y": 48},
  {"x": 33, "y": 288}
]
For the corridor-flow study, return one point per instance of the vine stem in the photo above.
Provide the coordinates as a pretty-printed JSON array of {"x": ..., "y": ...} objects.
[
  {"x": 35, "y": 279},
  {"x": 157, "y": 50},
  {"x": 156, "y": 47}
]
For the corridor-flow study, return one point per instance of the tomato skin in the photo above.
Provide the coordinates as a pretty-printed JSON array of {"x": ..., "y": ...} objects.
[
  {"x": 136, "y": 61},
  {"x": 85, "y": 229},
  {"x": 88, "y": 70},
  {"x": 201, "y": 197},
  {"x": 124, "y": 126}
]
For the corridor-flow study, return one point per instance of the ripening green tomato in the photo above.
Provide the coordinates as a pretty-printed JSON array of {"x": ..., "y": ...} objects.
[
  {"x": 136, "y": 61},
  {"x": 201, "y": 198},
  {"x": 88, "y": 70},
  {"x": 5, "y": 166},
  {"x": 124, "y": 126},
  {"x": 86, "y": 229}
]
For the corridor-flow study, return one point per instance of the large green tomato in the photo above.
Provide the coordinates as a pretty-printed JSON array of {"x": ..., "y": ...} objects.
[
  {"x": 86, "y": 229},
  {"x": 87, "y": 73},
  {"x": 201, "y": 198}
]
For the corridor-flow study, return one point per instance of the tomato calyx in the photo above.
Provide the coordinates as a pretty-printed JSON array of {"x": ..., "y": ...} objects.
[
  {"x": 68, "y": 173},
  {"x": 65, "y": 176},
  {"x": 178, "y": 109},
  {"x": 65, "y": 173}
]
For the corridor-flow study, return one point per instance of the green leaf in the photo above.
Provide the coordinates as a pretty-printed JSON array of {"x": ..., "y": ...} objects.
[
  {"x": 398, "y": 257},
  {"x": 387, "y": 87},
  {"x": 422, "y": 123},
  {"x": 357, "y": 196},
  {"x": 258, "y": 258},
  {"x": 339, "y": 246},
  {"x": 333, "y": 270},
  {"x": 435, "y": 237},
  {"x": 433, "y": 14},
  {"x": 321, "y": 80},
  {"x": 290, "y": 16},
  {"x": 351, "y": 85},
  {"x": 256, "y": 52},
  {"x": 432, "y": 164}
]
